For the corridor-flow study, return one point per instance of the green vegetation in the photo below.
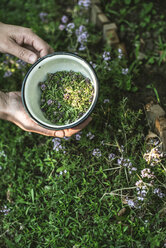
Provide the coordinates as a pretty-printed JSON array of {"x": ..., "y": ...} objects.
[
  {"x": 65, "y": 96},
  {"x": 105, "y": 186}
]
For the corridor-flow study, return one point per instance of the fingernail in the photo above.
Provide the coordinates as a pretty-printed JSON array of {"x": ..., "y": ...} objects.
[{"x": 32, "y": 58}]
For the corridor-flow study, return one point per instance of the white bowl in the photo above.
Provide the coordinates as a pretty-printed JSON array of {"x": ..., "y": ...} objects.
[{"x": 58, "y": 61}]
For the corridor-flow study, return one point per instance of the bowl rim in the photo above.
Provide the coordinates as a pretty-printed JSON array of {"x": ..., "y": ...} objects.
[{"x": 68, "y": 125}]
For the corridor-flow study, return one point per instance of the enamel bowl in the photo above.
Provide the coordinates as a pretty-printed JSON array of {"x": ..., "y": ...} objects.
[{"x": 58, "y": 61}]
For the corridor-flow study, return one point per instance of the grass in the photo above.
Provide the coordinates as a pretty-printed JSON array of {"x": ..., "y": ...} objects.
[{"x": 83, "y": 192}]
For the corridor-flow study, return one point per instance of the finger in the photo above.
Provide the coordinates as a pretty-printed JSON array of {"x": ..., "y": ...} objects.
[
  {"x": 59, "y": 133},
  {"x": 39, "y": 44},
  {"x": 71, "y": 131},
  {"x": 46, "y": 132},
  {"x": 23, "y": 53}
]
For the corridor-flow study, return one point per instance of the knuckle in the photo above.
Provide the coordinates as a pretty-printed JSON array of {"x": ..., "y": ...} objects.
[{"x": 22, "y": 53}]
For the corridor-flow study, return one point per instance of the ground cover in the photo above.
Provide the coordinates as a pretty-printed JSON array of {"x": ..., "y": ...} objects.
[{"x": 105, "y": 186}]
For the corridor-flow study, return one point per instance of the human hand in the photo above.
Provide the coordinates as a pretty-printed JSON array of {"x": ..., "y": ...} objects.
[
  {"x": 15, "y": 112},
  {"x": 22, "y": 43}
]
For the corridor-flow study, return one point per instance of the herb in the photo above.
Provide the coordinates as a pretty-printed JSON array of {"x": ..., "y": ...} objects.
[{"x": 66, "y": 96}]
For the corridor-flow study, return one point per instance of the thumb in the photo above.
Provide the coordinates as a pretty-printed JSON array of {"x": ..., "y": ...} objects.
[{"x": 23, "y": 53}]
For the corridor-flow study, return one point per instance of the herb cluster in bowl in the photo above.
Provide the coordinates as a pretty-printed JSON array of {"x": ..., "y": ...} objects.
[{"x": 65, "y": 96}]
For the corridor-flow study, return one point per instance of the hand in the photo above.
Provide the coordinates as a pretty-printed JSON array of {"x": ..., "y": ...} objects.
[
  {"x": 15, "y": 112},
  {"x": 22, "y": 43}
]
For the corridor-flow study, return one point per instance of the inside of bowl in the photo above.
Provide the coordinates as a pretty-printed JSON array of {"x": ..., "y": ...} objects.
[{"x": 51, "y": 64}]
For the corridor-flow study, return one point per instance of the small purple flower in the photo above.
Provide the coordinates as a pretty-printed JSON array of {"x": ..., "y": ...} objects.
[
  {"x": 64, "y": 19},
  {"x": 120, "y": 53},
  {"x": 57, "y": 145},
  {"x": 90, "y": 135},
  {"x": 82, "y": 47},
  {"x": 61, "y": 27},
  {"x": 66, "y": 96},
  {"x": 93, "y": 64},
  {"x": 139, "y": 184},
  {"x": 111, "y": 156},
  {"x": 59, "y": 105},
  {"x": 106, "y": 101},
  {"x": 43, "y": 87},
  {"x": 106, "y": 56},
  {"x": 70, "y": 27},
  {"x": 82, "y": 38},
  {"x": 7, "y": 74},
  {"x": 84, "y": 3},
  {"x": 78, "y": 136},
  {"x": 5, "y": 210},
  {"x": 80, "y": 30},
  {"x": 49, "y": 102},
  {"x": 147, "y": 173},
  {"x": 131, "y": 203},
  {"x": 96, "y": 152},
  {"x": 158, "y": 192},
  {"x": 5, "y": 62},
  {"x": 43, "y": 16},
  {"x": 21, "y": 63},
  {"x": 66, "y": 138},
  {"x": 125, "y": 71}
]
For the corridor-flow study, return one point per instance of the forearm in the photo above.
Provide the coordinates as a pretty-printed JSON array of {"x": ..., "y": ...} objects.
[{"x": 3, "y": 105}]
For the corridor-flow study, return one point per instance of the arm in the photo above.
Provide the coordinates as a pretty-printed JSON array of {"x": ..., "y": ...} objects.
[
  {"x": 12, "y": 109},
  {"x": 26, "y": 45},
  {"x": 22, "y": 43}
]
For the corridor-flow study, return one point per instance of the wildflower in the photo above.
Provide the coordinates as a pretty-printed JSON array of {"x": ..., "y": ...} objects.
[
  {"x": 125, "y": 71},
  {"x": 66, "y": 138},
  {"x": 43, "y": 16},
  {"x": 139, "y": 183},
  {"x": 106, "y": 101},
  {"x": 64, "y": 19},
  {"x": 80, "y": 30},
  {"x": 2, "y": 154},
  {"x": 147, "y": 173},
  {"x": 43, "y": 87},
  {"x": 126, "y": 163},
  {"x": 5, "y": 210},
  {"x": 61, "y": 27},
  {"x": 82, "y": 37},
  {"x": 111, "y": 156},
  {"x": 141, "y": 193},
  {"x": 82, "y": 48},
  {"x": 106, "y": 56},
  {"x": 120, "y": 54},
  {"x": 65, "y": 171},
  {"x": 20, "y": 63},
  {"x": 70, "y": 27},
  {"x": 84, "y": 3},
  {"x": 121, "y": 149},
  {"x": 49, "y": 102},
  {"x": 57, "y": 145},
  {"x": 78, "y": 136},
  {"x": 93, "y": 64},
  {"x": 131, "y": 203},
  {"x": 158, "y": 192},
  {"x": 8, "y": 73},
  {"x": 90, "y": 135},
  {"x": 96, "y": 152}
]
